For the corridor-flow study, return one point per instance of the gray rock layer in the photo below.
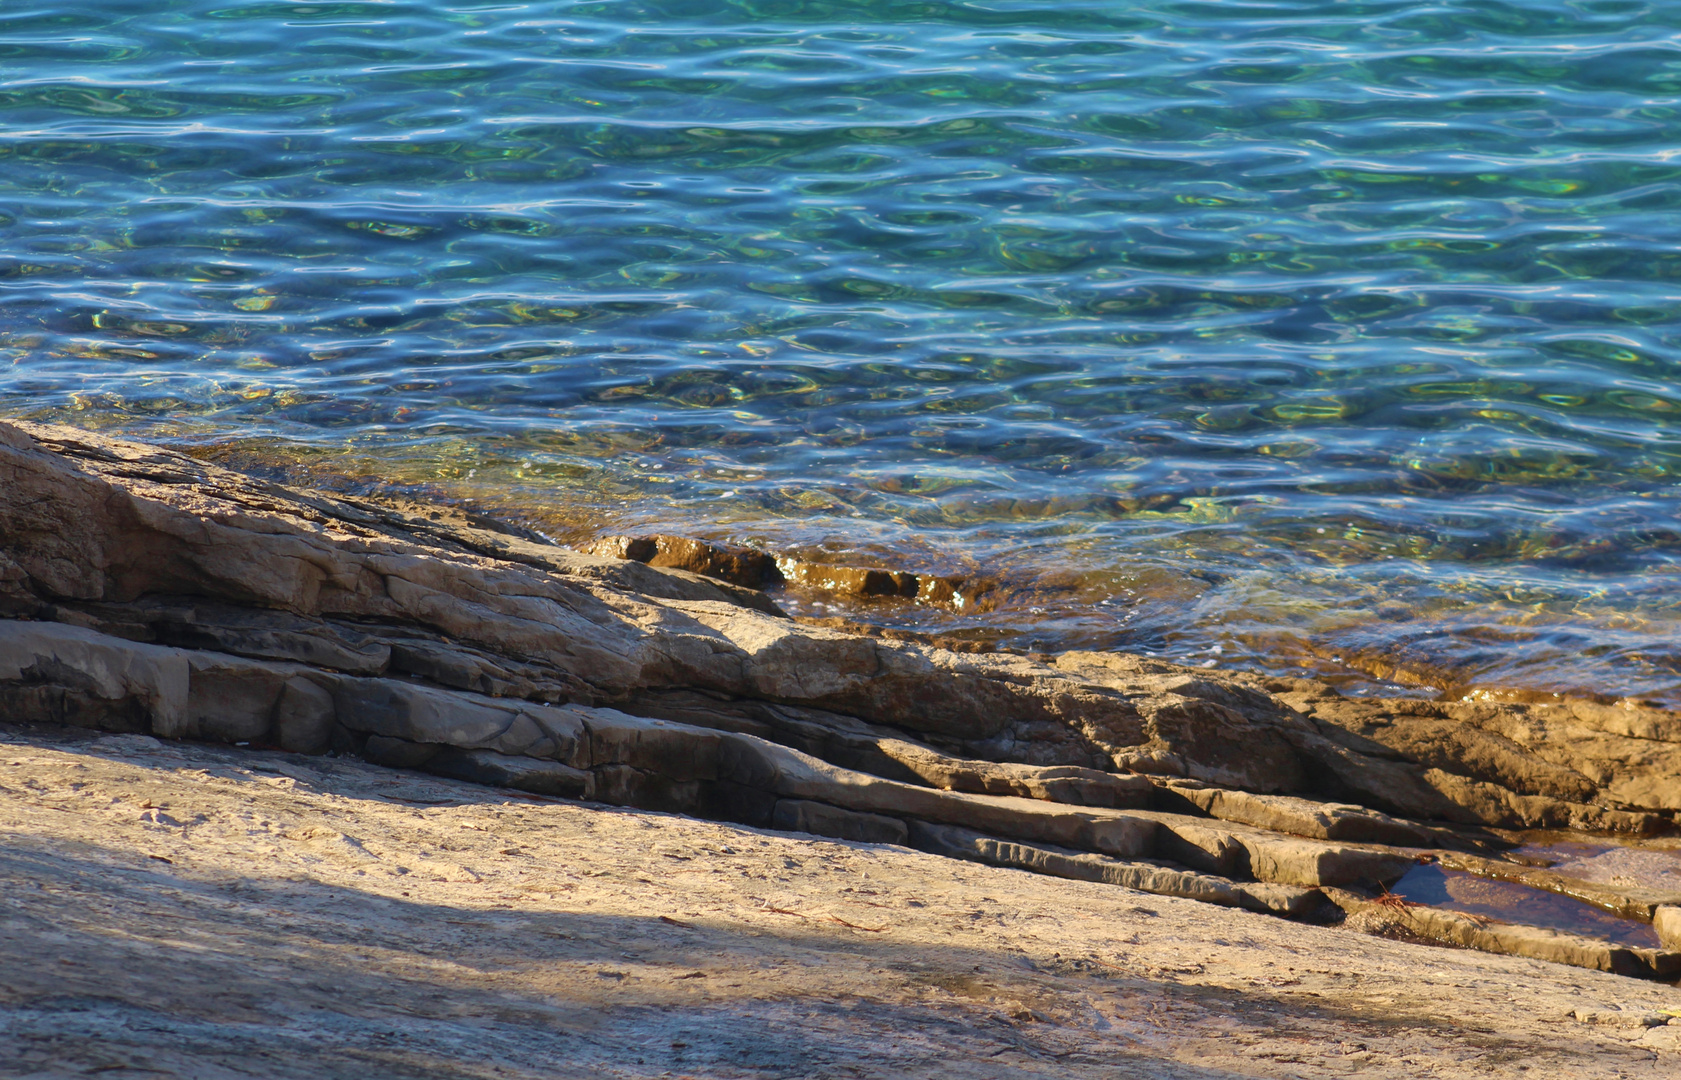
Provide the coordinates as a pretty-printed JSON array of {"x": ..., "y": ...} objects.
[{"x": 144, "y": 591}]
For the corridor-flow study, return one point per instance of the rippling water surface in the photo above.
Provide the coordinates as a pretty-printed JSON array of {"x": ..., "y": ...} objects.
[{"x": 1327, "y": 335}]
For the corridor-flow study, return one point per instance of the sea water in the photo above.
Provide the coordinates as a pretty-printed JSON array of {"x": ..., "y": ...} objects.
[{"x": 1310, "y": 335}]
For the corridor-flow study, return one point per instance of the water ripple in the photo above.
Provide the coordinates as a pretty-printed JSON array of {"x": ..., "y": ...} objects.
[{"x": 1342, "y": 337}]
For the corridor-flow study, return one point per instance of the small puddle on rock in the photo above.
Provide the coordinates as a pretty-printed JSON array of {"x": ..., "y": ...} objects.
[
  {"x": 1648, "y": 864},
  {"x": 1456, "y": 890}
]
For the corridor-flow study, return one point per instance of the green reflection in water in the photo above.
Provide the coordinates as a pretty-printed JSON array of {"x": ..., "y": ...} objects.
[{"x": 1332, "y": 337}]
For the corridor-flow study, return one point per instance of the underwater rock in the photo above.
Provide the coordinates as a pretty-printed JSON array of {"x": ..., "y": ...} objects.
[
  {"x": 742, "y": 566},
  {"x": 754, "y": 569}
]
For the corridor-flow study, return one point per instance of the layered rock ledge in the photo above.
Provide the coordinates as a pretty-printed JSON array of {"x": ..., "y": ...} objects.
[
  {"x": 179, "y": 909},
  {"x": 145, "y": 592}
]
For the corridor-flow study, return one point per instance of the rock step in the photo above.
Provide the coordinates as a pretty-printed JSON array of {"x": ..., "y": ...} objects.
[
  {"x": 854, "y": 744},
  {"x": 1629, "y": 901},
  {"x": 108, "y": 681},
  {"x": 1514, "y": 939},
  {"x": 1151, "y": 876},
  {"x": 59, "y": 673},
  {"x": 1286, "y": 813},
  {"x": 626, "y": 784},
  {"x": 742, "y": 566},
  {"x": 67, "y": 674}
]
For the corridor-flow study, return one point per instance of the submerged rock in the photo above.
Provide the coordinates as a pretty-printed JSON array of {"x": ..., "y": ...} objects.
[
  {"x": 145, "y": 592},
  {"x": 741, "y": 566}
]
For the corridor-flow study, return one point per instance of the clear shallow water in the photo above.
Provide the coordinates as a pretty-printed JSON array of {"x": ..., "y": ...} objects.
[
  {"x": 1325, "y": 336},
  {"x": 1455, "y": 890}
]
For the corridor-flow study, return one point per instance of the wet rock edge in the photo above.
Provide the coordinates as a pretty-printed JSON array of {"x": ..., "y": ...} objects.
[{"x": 146, "y": 592}]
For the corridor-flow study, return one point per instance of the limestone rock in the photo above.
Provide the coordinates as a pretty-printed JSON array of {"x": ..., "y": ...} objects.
[
  {"x": 1147, "y": 877},
  {"x": 151, "y": 544},
  {"x": 849, "y": 580},
  {"x": 504, "y": 770},
  {"x": 67, "y": 675},
  {"x": 821, "y": 819},
  {"x": 1536, "y": 943},
  {"x": 959, "y": 593},
  {"x": 420, "y": 714},
  {"x": 1288, "y": 814},
  {"x": 142, "y": 591},
  {"x": 1666, "y": 920},
  {"x": 1064, "y": 784},
  {"x": 104, "y": 533}
]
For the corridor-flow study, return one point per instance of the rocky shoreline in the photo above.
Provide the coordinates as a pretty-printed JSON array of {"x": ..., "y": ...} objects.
[
  {"x": 147, "y": 593},
  {"x": 173, "y": 908}
]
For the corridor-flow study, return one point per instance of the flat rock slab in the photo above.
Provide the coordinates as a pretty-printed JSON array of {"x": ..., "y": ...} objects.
[{"x": 183, "y": 910}]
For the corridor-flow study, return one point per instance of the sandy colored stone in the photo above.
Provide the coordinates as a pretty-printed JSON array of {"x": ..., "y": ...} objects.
[
  {"x": 1065, "y": 784},
  {"x": 849, "y": 580},
  {"x": 1150, "y": 877},
  {"x": 1283, "y": 813},
  {"x": 184, "y": 910},
  {"x": 1666, "y": 920},
  {"x": 143, "y": 592},
  {"x": 155, "y": 547}
]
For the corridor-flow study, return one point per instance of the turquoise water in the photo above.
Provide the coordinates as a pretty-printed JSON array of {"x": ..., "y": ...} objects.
[{"x": 1327, "y": 336}]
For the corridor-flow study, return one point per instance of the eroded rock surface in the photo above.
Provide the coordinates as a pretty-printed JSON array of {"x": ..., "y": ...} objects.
[
  {"x": 147, "y": 592},
  {"x": 192, "y": 910}
]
